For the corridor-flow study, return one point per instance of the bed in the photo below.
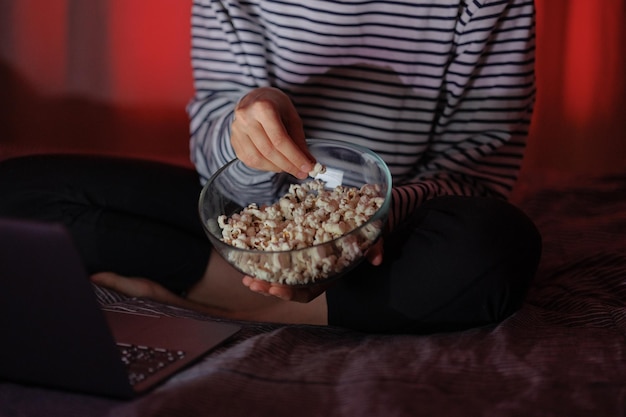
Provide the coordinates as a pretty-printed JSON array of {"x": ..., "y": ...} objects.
[{"x": 562, "y": 354}]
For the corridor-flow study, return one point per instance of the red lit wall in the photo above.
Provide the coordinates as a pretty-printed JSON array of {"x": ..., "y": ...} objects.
[
  {"x": 113, "y": 76},
  {"x": 579, "y": 122}
]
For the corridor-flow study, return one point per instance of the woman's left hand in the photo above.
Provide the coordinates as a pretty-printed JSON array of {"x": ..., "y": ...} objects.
[
  {"x": 285, "y": 292},
  {"x": 304, "y": 294}
]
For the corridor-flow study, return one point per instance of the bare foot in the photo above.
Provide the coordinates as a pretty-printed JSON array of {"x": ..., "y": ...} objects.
[
  {"x": 272, "y": 310},
  {"x": 145, "y": 288}
]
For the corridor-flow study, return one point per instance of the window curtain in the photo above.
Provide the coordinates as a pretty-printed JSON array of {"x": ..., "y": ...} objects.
[{"x": 134, "y": 54}]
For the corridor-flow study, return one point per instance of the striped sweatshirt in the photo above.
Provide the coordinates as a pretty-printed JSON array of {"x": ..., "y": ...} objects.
[{"x": 442, "y": 90}]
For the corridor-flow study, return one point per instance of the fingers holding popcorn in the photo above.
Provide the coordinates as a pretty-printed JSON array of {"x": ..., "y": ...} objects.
[{"x": 267, "y": 133}]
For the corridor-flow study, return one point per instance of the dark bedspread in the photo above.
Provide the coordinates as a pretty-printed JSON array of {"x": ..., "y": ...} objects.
[{"x": 563, "y": 354}]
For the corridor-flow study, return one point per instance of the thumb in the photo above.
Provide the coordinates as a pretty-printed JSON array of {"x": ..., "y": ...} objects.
[{"x": 375, "y": 253}]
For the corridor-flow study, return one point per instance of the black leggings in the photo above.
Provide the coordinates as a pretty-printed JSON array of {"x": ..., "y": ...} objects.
[
  {"x": 136, "y": 218},
  {"x": 459, "y": 262}
]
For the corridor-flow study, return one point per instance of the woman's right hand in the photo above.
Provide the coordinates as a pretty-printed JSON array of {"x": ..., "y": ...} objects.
[{"x": 267, "y": 133}]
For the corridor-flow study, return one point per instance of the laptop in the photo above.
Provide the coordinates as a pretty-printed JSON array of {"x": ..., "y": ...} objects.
[{"x": 56, "y": 334}]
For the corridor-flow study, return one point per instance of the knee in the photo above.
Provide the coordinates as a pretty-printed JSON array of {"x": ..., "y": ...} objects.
[
  {"x": 486, "y": 229},
  {"x": 513, "y": 236},
  {"x": 474, "y": 257},
  {"x": 16, "y": 178}
]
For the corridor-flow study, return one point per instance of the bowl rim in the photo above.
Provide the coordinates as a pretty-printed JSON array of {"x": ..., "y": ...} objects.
[{"x": 380, "y": 214}]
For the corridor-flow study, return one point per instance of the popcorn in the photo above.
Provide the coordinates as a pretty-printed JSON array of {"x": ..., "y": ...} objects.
[
  {"x": 317, "y": 169},
  {"x": 306, "y": 217}
]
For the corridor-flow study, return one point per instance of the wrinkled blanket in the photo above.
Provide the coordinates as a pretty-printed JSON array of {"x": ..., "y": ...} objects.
[{"x": 562, "y": 354}]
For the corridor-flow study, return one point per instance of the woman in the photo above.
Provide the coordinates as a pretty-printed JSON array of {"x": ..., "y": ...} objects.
[{"x": 442, "y": 90}]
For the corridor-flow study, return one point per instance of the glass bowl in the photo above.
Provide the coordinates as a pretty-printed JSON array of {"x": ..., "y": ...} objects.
[{"x": 236, "y": 186}]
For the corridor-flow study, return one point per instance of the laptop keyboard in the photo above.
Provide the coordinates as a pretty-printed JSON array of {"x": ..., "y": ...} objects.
[{"x": 143, "y": 361}]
